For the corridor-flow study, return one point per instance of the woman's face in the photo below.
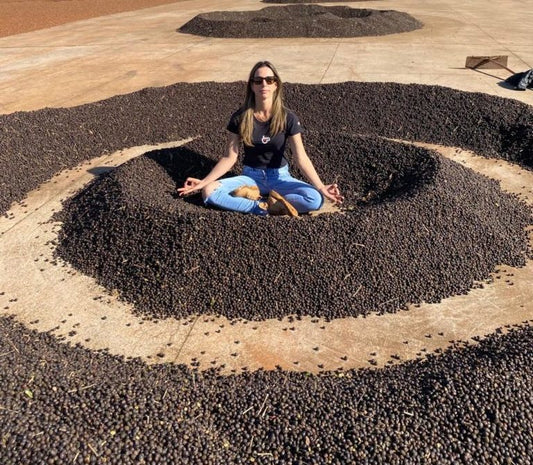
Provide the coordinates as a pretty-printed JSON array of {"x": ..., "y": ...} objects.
[{"x": 264, "y": 83}]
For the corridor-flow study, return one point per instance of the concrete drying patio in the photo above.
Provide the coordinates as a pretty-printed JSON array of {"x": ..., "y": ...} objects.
[{"x": 95, "y": 59}]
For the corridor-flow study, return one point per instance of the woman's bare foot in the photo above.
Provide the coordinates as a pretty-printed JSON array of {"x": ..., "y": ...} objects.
[
  {"x": 248, "y": 192},
  {"x": 278, "y": 205}
]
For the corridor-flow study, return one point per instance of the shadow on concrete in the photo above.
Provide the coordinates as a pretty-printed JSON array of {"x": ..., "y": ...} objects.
[{"x": 100, "y": 170}]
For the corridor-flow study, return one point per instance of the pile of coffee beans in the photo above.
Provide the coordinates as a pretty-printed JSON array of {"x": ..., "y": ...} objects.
[
  {"x": 301, "y": 21},
  {"x": 52, "y": 139},
  {"x": 417, "y": 227},
  {"x": 36, "y": 145},
  {"x": 307, "y": 1},
  {"x": 62, "y": 404}
]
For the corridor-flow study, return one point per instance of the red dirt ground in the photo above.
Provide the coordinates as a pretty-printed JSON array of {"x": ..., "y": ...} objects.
[{"x": 18, "y": 16}]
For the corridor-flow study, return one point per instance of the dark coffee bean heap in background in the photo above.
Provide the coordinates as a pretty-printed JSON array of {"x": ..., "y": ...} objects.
[
  {"x": 301, "y": 21},
  {"x": 36, "y": 145},
  {"x": 419, "y": 228},
  {"x": 307, "y": 1},
  {"x": 63, "y": 404}
]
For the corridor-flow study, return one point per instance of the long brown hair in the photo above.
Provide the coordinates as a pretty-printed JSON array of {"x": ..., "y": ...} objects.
[{"x": 279, "y": 113}]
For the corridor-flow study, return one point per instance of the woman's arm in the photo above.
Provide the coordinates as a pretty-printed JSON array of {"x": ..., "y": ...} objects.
[
  {"x": 220, "y": 169},
  {"x": 303, "y": 162}
]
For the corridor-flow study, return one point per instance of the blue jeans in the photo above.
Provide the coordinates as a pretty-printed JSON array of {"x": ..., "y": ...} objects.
[{"x": 302, "y": 196}]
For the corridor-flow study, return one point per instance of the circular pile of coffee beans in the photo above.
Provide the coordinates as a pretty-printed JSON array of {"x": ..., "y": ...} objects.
[
  {"x": 301, "y": 21},
  {"x": 416, "y": 227},
  {"x": 306, "y": 1}
]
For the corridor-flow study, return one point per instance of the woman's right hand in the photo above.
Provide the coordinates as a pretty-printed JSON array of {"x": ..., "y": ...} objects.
[
  {"x": 190, "y": 186},
  {"x": 332, "y": 192}
]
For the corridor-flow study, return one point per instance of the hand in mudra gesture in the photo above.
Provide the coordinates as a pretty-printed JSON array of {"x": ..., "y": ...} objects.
[
  {"x": 190, "y": 186},
  {"x": 332, "y": 192}
]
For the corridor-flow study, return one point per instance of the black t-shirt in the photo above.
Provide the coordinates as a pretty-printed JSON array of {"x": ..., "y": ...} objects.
[{"x": 266, "y": 151}]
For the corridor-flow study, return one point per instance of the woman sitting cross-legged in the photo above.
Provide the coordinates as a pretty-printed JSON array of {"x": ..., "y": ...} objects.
[{"x": 264, "y": 125}]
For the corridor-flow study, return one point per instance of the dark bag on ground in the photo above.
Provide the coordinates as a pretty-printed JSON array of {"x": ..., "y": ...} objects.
[{"x": 521, "y": 81}]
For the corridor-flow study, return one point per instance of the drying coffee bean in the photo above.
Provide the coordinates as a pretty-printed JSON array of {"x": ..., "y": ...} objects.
[{"x": 300, "y": 21}]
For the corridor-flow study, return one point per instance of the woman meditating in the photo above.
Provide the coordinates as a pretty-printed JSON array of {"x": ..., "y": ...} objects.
[{"x": 264, "y": 125}]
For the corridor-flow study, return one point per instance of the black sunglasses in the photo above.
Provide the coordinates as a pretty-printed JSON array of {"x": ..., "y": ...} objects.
[{"x": 268, "y": 79}]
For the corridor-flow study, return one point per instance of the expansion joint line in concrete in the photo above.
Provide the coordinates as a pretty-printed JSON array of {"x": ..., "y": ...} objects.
[
  {"x": 186, "y": 339},
  {"x": 504, "y": 47},
  {"x": 25, "y": 218},
  {"x": 527, "y": 65},
  {"x": 330, "y": 62},
  {"x": 188, "y": 47}
]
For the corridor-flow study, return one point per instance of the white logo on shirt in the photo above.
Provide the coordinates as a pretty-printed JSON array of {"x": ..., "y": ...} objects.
[{"x": 265, "y": 139}]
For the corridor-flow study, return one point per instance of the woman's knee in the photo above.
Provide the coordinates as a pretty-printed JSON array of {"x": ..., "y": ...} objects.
[
  {"x": 315, "y": 199},
  {"x": 306, "y": 200}
]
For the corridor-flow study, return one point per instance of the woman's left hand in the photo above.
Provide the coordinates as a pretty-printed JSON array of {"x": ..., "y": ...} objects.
[{"x": 332, "y": 192}]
